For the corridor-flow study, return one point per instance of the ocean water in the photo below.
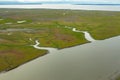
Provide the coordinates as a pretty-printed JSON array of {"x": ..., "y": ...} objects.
[{"x": 66, "y": 6}]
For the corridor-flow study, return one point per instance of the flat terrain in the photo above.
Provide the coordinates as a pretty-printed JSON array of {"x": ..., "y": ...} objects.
[{"x": 19, "y": 28}]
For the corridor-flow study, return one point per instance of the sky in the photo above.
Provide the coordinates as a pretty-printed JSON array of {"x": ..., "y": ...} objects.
[{"x": 109, "y": 1}]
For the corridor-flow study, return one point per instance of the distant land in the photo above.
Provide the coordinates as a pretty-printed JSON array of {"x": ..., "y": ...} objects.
[
  {"x": 56, "y": 2},
  {"x": 99, "y": 4},
  {"x": 16, "y": 3}
]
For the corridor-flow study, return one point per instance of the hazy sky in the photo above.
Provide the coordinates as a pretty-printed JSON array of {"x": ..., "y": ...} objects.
[{"x": 112, "y": 1}]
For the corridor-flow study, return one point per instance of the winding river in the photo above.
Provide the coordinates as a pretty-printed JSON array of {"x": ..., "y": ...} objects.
[
  {"x": 50, "y": 50},
  {"x": 98, "y": 60},
  {"x": 44, "y": 48},
  {"x": 87, "y": 35}
]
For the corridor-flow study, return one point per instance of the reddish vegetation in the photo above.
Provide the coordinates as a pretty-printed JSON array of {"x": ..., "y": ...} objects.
[
  {"x": 62, "y": 36},
  {"x": 11, "y": 52}
]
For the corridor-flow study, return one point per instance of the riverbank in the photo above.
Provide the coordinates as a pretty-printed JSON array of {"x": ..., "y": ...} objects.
[
  {"x": 86, "y": 35},
  {"x": 93, "y": 61},
  {"x": 48, "y": 26}
]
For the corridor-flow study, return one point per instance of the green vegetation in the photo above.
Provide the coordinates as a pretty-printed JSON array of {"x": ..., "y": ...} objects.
[
  {"x": 117, "y": 78},
  {"x": 48, "y": 26}
]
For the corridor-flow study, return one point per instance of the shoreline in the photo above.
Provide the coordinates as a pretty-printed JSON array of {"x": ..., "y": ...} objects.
[
  {"x": 5, "y": 71},
  {"x": 112, "y": 77},
  {"x": 49, "y": 49},
  {"x": 36, "y": 46},
  {"x": 89, "y": 39}
]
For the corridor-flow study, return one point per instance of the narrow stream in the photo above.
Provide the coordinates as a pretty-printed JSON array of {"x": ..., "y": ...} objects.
[
  {"x": 44, "y": 48},
  {"x": 87, "y": 35}
]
